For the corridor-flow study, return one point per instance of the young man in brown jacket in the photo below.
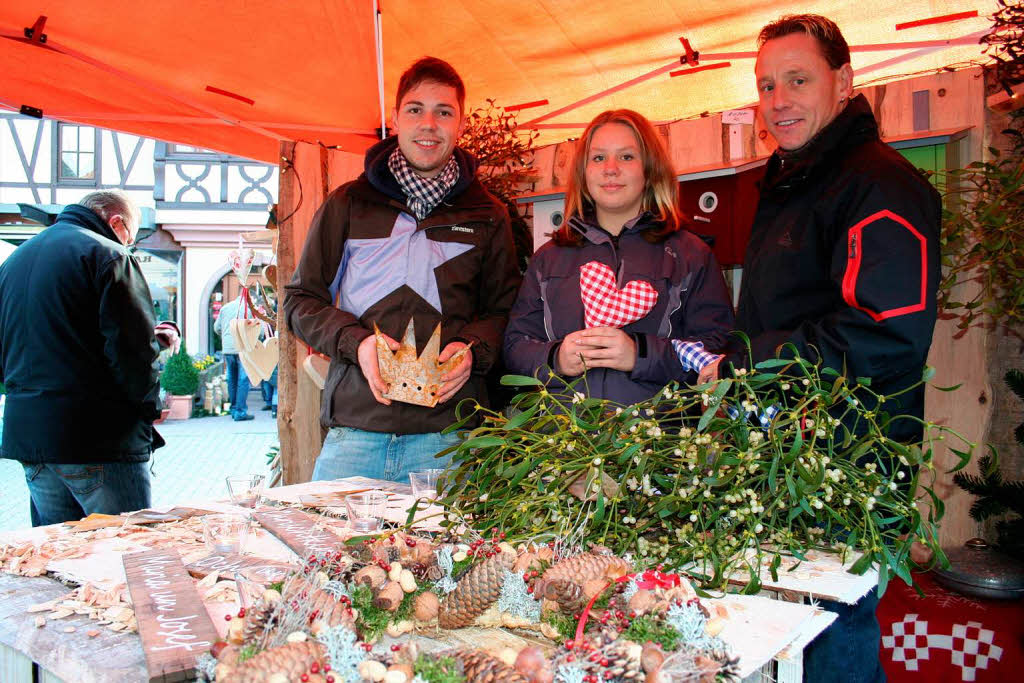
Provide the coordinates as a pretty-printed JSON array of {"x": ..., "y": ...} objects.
[{"x": 416, "y": 236}]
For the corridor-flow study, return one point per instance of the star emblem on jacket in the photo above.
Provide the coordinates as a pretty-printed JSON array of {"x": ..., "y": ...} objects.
[{"x": 373, "y": 268}]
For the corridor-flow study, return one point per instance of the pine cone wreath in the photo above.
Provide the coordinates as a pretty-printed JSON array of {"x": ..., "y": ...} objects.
[
  {"x": 480, "y": 667},
  {"x": 478, "y": 589},
  {"x": 583, "y": 568},
  {"x": 291, "y": 660}
]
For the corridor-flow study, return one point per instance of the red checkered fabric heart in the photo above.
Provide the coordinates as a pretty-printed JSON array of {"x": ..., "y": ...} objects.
[{"x": 605, "y": 305}]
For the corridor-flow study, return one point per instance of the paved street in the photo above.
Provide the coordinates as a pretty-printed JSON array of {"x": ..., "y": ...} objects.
[{"x": 199, "y": 454}]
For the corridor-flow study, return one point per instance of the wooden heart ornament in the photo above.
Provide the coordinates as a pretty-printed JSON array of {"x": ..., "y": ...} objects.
[
  {"x": 260, "y": 361},
  {"x": 246, "y": 332},
  {"x": 605, "y": 305}
]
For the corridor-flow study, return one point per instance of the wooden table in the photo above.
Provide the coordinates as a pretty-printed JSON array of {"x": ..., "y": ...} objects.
[{"x": 759, "y": 629}]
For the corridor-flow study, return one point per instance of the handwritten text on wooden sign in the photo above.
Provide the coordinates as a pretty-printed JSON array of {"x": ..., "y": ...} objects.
[{"x": 173, "y": 623}]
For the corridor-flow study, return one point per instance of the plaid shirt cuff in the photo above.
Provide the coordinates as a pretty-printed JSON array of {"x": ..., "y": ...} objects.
[
  {"x": 765, "y": 418},
  {"x": 692, "y": 355}
]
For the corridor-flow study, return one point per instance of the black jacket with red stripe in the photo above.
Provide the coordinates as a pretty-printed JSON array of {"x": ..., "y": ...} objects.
[{"x": 843, "y": 261}]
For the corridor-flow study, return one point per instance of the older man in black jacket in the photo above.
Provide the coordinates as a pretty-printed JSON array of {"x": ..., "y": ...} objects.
[
  {"x": 78, "y": 356},
  {"x": 842, "y": 263}
]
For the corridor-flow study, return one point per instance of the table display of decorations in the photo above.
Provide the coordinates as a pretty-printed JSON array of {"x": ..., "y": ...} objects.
[{"x": 571, "y": 541}]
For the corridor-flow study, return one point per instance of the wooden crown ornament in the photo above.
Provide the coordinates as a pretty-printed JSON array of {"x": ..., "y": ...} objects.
[{"x": 411, "y": 379}]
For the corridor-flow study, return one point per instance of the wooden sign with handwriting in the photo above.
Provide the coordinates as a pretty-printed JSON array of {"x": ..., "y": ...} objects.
[
  {"x": 251, "y": 567},
  {"x": 173, "y": 624},
  {"x": 298, "y": 531}
]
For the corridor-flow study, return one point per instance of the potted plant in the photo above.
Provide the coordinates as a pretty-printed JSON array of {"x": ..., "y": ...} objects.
[{"x": 180, "y": 379}]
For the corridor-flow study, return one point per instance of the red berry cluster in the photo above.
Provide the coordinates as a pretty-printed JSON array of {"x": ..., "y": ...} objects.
[
  {"x": 315, "y": 668},
  {"x": 241, "y": 615},
  {"x": 586, "y": 652},
  {"x": 483, "y": 547},
  {"x": 528, "y": 578},
  {"x": 617, "y": 618}
]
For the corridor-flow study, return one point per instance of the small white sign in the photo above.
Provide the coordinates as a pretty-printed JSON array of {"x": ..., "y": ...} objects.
[{"x": 738, "y": 116}]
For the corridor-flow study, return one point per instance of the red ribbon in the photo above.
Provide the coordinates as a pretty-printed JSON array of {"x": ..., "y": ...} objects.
[{"x": 649, "y": 580}]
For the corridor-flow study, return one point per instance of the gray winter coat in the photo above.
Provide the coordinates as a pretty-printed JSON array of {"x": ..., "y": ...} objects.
[{"x": 693, "y": 305}]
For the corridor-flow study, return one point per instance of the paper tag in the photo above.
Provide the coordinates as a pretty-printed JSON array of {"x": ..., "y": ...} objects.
[{"x": 734, "y": 116}]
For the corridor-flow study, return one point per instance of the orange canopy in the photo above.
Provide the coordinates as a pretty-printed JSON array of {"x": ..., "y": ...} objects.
[{"x": 240, "y": 76}]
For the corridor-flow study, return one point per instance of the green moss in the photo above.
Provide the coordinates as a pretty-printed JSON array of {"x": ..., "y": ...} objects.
[
  {"x": 647, "y": 627},
  {"x": 247, "y": 652},
  {"x": 373, "y": 620},
  {"x": 462, "y": 566},
  {"x": 563, "y": 624},
  {"x": 438, "y": 669}
]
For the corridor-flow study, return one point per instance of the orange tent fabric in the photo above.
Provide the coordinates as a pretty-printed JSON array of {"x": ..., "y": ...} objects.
[{"x": 240, "y": 77}]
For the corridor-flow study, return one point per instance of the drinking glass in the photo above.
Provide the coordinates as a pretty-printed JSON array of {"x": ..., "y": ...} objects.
[
  {"x": 366, "y": 510},
  {"x": 424, "y": 483},
  {"x": 226, "y": 533},
  {"x": 245, "y": 490}
]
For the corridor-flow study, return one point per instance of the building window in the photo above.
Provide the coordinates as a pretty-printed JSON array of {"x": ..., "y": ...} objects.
[
  {"x": 77, "y": 146},
  {"x": 186, "y": 149}
]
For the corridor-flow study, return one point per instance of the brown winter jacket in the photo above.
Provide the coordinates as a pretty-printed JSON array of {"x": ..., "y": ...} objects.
[{"x": 367, "y": 260}]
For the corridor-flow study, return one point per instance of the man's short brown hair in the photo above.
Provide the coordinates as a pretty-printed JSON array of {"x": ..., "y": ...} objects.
[
  {"x": 824, "y": 30},
  {"x": 435, "y": 70}
]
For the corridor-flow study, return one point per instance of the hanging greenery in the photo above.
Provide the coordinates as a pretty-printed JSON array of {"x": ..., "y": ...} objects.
[
  {"x": 706, "y": 480},
  {"x": 983, "y": 217},
  {"x": 1005, "y": 43},
  {"x": 503, "y": 151},
  {"x": 983, "y": 244}
]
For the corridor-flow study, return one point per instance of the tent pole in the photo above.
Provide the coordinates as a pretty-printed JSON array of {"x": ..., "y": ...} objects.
[{"x": 378, "y": 39}]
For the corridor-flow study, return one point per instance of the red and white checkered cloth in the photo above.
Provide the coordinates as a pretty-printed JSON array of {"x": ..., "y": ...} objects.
[{"x": 605, "y": 305}]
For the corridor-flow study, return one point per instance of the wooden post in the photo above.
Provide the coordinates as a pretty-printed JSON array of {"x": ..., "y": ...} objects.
[
  {"x": 286, "y": 260},
  {"x": 308, "y": 173}
]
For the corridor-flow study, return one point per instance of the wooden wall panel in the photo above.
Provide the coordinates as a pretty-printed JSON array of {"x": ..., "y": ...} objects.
[{"x": 696, "y": 142}]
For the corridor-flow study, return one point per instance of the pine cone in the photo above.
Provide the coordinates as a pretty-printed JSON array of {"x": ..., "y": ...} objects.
[
  {"x": 583, "y": 568},
  {"x": 568, "y": 595},
  {"x": 621, "y": 664},
  {"x": 480, "y": 667},
  {"x": 292, "y": 660},
  {"x": 255, "y": 621},
  {"x": 476, "y": 591}
]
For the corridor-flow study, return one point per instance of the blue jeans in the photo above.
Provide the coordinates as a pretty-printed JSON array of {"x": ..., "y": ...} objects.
[
  {"x": 268, "y": 388},
  {"x": 847, "y": 650},
  {"x": 349, "y": 452},
  {"x": 238, "y": 385},
  {"x": 62, "y": 493}
]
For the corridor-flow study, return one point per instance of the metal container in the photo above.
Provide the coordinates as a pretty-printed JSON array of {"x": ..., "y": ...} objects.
[{"x": 982, "y": 572}]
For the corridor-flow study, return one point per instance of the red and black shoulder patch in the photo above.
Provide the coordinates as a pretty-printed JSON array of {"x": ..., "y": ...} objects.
[{"x": 887, "y": 267}]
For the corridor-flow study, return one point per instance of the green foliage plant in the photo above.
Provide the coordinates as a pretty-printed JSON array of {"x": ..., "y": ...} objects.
[
  {"x": 504, "y": 152},
  {"x": 983, "y": 244},
  {"x": 180, "y": 377},
  {"x": 687, "y": 486}
]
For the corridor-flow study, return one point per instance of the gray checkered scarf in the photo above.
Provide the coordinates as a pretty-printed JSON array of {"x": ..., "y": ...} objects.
[{"x": 423, "y": 194}]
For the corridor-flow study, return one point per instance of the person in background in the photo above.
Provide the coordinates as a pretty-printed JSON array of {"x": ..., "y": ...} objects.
[
  {"x": 78, "y": 354},
  {"x": 415, "y": 236},
  {"x": 842, "y": 263},
  {"x": 238, "y": 380},
  {"x": 622, "y": 226},
  {"x": 267, "y": 389}
]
